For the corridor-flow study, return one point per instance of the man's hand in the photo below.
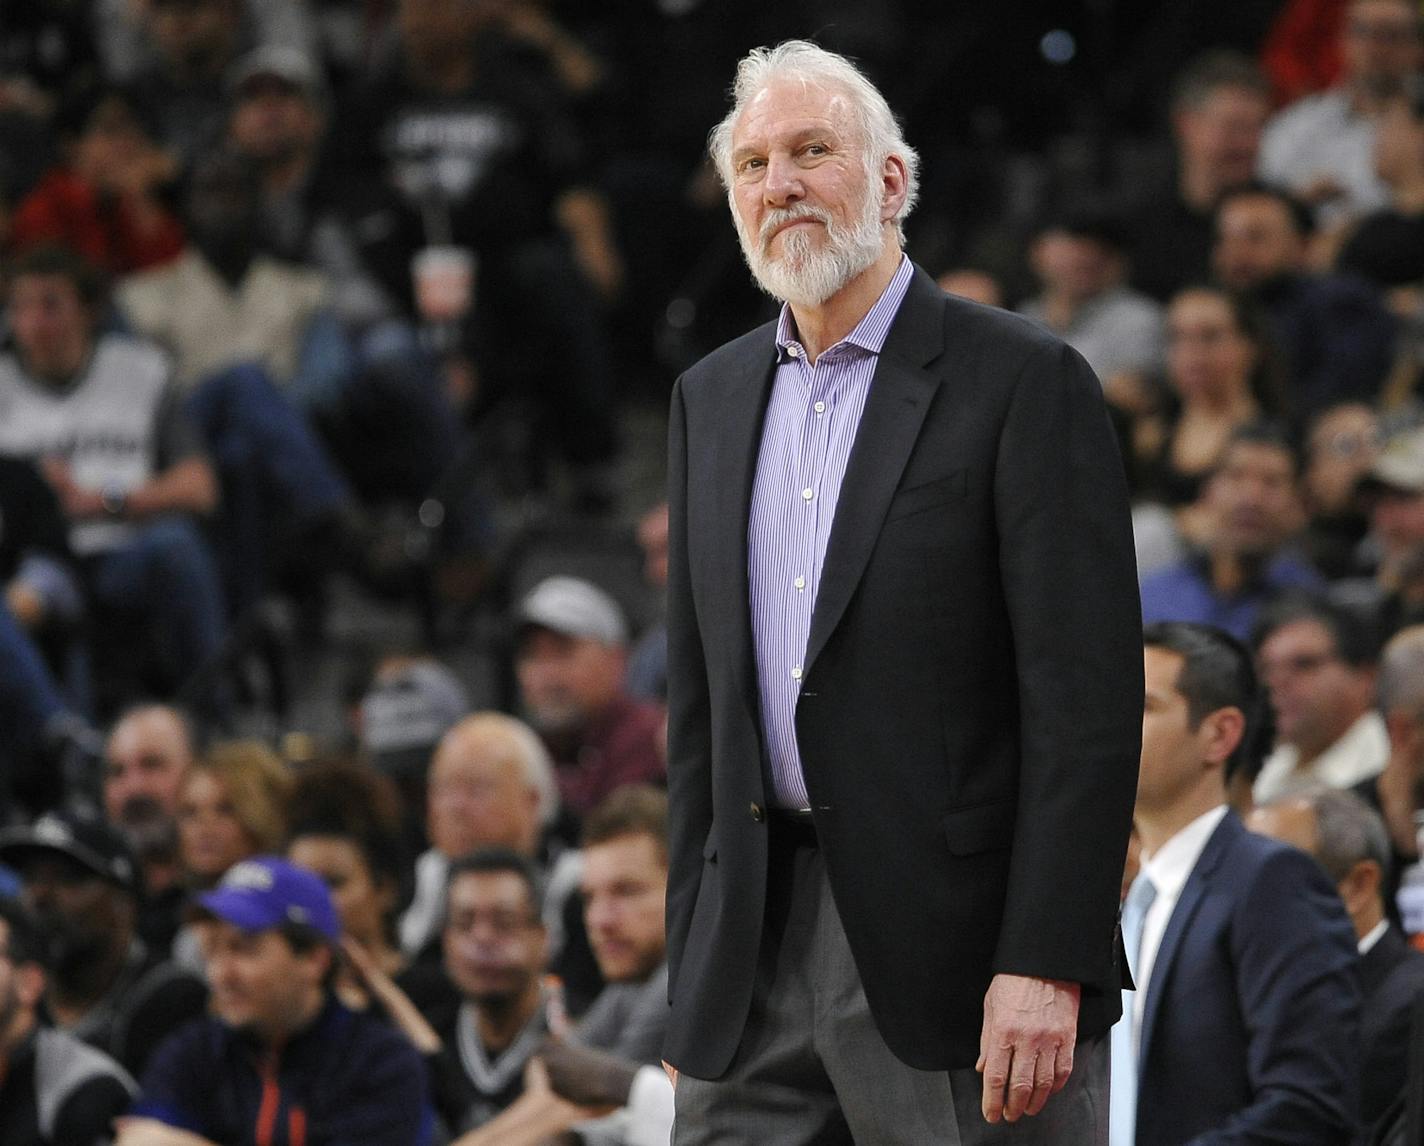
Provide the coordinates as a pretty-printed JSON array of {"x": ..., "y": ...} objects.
[
  {"x": 1026, "y": 1048},
  {"x": 150, "y": 1132}
]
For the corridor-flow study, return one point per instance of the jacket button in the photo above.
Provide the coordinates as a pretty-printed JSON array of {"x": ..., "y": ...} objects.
[{"x": 758, "y": 813}]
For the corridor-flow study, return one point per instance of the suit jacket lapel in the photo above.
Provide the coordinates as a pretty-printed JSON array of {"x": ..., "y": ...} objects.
[
  {"x": 1177, "y": 927},
  {"x": 900, "y": 395},
  {"x": 743, "y": 410}
]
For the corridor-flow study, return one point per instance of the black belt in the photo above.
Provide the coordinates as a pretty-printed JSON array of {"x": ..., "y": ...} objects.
[{"x": 794, "y": 826}]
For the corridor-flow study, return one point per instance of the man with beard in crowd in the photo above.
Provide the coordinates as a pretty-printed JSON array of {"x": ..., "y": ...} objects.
[
  {"x": 105, "y": 986},
  {"x": 148, "y": 752}
]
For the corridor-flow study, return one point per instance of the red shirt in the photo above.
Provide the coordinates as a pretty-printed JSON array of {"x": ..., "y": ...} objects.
[
  {"x": 622, "y": 746},
  {"x": 65, "y": 210}
]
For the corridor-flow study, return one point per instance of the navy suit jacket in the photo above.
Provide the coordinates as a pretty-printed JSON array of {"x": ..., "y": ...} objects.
[{"x": 1250, "y": 1026}]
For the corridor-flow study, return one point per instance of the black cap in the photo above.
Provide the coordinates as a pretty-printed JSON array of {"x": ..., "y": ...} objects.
[{"x": 91, "y": 843}]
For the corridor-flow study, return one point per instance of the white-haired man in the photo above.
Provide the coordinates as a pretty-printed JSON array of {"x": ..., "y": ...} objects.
[{"x": 905, "y": 675}]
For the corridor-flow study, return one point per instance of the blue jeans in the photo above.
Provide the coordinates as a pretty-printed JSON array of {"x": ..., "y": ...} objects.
[
  {"x": 276, "y": 475},
  {"x": 29, "y": 697},
  {"x": 165, "y": 576}
]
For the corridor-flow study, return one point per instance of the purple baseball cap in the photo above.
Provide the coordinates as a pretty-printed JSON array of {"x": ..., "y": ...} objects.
[{"x": 264, "y": 892}]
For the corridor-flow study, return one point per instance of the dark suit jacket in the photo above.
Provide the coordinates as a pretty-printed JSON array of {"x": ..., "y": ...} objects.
[
  {"x": 971, "y": 704},
  {"x": 1392, "y": 976},
  {"x": 1250, "y": 1027}
]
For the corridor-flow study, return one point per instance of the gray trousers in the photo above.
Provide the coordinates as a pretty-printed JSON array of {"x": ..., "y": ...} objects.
[{"x": 813, "y": 1069}]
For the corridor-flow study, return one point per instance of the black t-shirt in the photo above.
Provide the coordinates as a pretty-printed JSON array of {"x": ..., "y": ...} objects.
[
  {"x": 491, "y": 161},
  {"x": 30, "y": 517},
  {"x": 1387, "y": 248}
]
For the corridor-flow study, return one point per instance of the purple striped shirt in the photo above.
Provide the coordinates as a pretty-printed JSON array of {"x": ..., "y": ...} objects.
[{"x": 810, "y": 427}]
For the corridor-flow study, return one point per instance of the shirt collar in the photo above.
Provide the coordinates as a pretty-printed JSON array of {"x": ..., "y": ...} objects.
[
  {"x": 1172, "y": 863},
  {"x": 1373, "y": 936},
  {"x": 870, "y": 332}
]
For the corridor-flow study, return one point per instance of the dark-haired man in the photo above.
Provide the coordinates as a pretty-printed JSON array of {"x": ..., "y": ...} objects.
[
  {"x": 1245, "y": 561},
  {"x": 279, "y": 1059},
  {"x": 1319, "y": 662},
  {"x": 98, "y": 412},
  {"x": 1349, "y": 840},
  {"x": 1243, "y": 1026},
  {"x": 105, "y": 987},
  {"x": 1332, "y": 333},
  {"x": 54, "y": 1090}
]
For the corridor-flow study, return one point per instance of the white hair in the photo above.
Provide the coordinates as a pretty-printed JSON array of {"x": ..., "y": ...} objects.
[
  {"x": 536, "y": 766},
  {"x": 814, "y": 66}
]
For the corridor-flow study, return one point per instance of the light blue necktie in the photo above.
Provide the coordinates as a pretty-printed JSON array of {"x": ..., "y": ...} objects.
[{"x": 1122, "y": 1110}]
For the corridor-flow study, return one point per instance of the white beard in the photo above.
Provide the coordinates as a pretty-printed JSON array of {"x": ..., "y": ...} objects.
[{"x": 804, "y": 275}]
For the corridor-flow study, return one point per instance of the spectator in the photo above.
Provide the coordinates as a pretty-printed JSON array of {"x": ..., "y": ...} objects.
[
  {"x": 1393, "y": 492},
  {"x": 1246, "y": 1013},
  {"x": 1334, "y": 336},
  {"x": 1244, "y": 559},
  {"x": 466, "y": 141},
  {"x": 146, "y": 759},
  {"x": 345, "y": 827},
  {"x": 1397, "y": 793},
  {"x": 1219, "y": 378},
  {"x": 104, "y": 986},
  {"x": 570, "y": 661},
  {"x": 1081, "y": 263},
  {"x": 279, "y": 1054},
  {"x": 232, "y": 805},
  {"x": 492, "y": 785},
  {"x": 98, "y": 411},
  {"x": 1349, "y": 841},
  {"x": 105, "y": 201},
  {"x": 193, "y": 44},
  {"x": 1318, "y": 659},
  {"x": 407, "y": 705},
  {"x": 1219, "y": 106},
  {"x": 973, "y": 284},
  {"x": 495, "y": 950},
  {"x": 1321, "y": 147},
  {"x": 1342, "y": 447},
  {"x": 54, "y": 1090}
]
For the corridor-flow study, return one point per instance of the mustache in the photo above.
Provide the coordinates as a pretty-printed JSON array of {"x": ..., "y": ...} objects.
[{"x": 782, "y": 216}]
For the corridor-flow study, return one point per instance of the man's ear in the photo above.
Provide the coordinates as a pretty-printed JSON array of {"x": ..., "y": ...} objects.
[
  {"x": 1221, "y": 733},
  {"x": 894, "y": 186},
  {"x": 1361, "y": 885}
]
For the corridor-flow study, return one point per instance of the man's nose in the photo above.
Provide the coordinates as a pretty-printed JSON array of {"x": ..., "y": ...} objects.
[{"x": 782, "y": 184}]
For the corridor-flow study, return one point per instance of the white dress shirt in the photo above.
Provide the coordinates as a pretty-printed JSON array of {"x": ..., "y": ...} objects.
[
  {"x": 1168, "y": 868},
  {"x": 1360, "y": 754},
  {"x": 1373, "y": 936}
]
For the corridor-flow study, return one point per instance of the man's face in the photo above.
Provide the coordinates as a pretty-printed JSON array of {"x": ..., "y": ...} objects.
[
  {"x": 1173, "y": 752},
  {"x": 1399, "y": 143},
  {"x": 52, "y": 327},
  {"x": 478, "y": 796},
  {"x": 147, "y": 756},
  {"x": 1380, "y": 46},
  {"x": 1397, "y": 520},
  {"x": 273, "y": 120},
  {"x": 438, "y": 28},
  {"x": 564, "y": 682},
  {"x": 494, "y": 943},
  {"x": 1344, "y": 443},
  {"x": 1316, "y": 695},
  {"x": 808, "y": 217},
  {"x": 81, "y": 916},
  {"x": 624, "y": 895},
  {"x": 1221, "y": 135},
  {"x": 1253, "y": 499},
  {"x": 1076, "y": 265},
  {"x": 1255, "y": 242},
  {"x": 194, "y": 33},
  {"x": 259, "y": 984},
  {"x": 1209, "y": 356}
]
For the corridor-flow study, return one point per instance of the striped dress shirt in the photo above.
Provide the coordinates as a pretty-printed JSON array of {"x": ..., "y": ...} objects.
[{"x": 811, "y": 422}]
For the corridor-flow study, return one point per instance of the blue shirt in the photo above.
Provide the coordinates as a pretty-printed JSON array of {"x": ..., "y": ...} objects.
[{"x": 1184, "y": 592}]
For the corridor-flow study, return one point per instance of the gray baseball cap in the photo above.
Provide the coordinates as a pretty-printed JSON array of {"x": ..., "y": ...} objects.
[{"x": 574, "y": 608}]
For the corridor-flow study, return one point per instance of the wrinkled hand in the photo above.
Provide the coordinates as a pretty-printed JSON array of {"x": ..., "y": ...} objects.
[
  {"x": 586, "y": 1076},
  {"x": 1026, "y": 1048}
]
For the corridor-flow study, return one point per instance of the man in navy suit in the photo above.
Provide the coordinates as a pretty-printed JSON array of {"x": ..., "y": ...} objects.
[{"x": 1245, "y": 1024}]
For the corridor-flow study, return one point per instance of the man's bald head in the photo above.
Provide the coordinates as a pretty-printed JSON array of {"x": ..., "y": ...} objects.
[{"x": 148, "y": 751}]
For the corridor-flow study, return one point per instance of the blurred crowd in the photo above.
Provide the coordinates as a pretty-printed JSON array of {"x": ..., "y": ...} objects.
[{"x": 308, "y": 292}]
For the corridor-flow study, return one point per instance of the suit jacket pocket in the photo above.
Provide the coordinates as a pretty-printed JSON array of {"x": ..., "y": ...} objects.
[
  {"x": 980, "y": 828},
  {"x": 927, "y": 495}
]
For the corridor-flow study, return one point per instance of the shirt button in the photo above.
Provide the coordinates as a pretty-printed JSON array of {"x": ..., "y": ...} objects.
[
  {"x": 794, "y": 351},
  {"x": 820, "y": 407},
  {"x": 807, "y": 494},
  {"x": 800, "y": 582},
  {"x": 796, "y": 673},
  {"x": 758, "y": 813}
]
